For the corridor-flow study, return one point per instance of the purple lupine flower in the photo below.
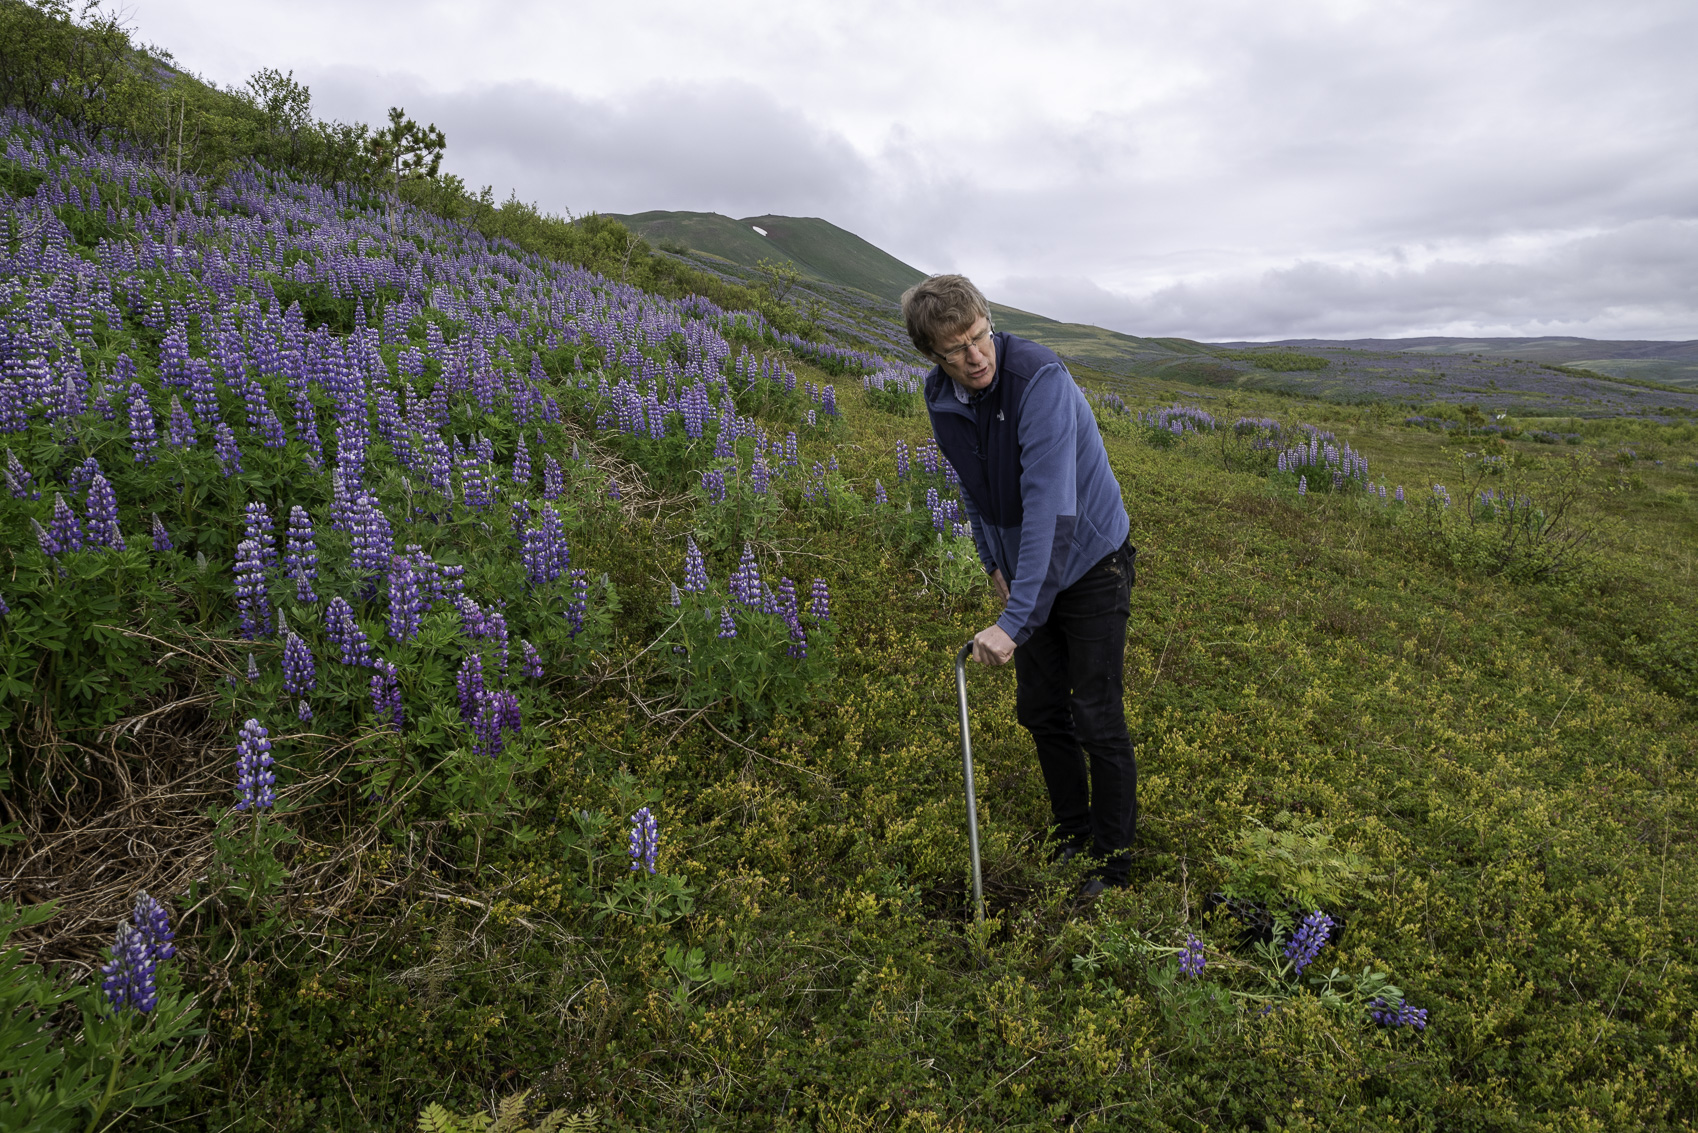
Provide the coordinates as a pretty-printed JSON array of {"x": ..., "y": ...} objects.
[
  {"x": 788, "y": 609},
  {"x": 263, "y": 531},
  {"x": 304, "y": 712},
  {"x": 486, "y": 724},
  {"x": 6, "y": 611},
  {"x": 745, "y": 584},
  {"x": 49, "y": 545},
  {"x": 469, "y": 683},
  {"x": 879, "y": 496},
  {"x": 580, "y": 603},
  {"x": 544, "y": 550},
  {"x": 224, "y": 445},
  {"x": 180, "y": 433},
  {"x": 253, "y": 604},
  {"x": 127, "y": 978},
  {"x": 713, "y": 485},
  {"x": 820, "y": 608},
  {"x": 64, "y": 531},
  {"x": 792, "y": 457},
  {"x": 345, "y": 633},
  {"x": 553, "y": 480},
  {"x": 727, "y": 624},
  {"x": 901, "y": 460},
  {"x": 386, "y": 695},
  {"x": 299, "y": 675},
  {"x": 300, "y": 555},
  {"x": 612, "y": 489},
  {"x": 1302, "y": 485},
  {"x": 677, "y": 598},
  {"x": 144, "y": 433},
  {"x": 254, "y": 777},
  {"x": 253, "y": 669},
  {"x": 760, "y": 476},
  {"x": 1402, "y": 1015},
  {"x": 374, "y": 542},
  {"x": 83, "y": 475},
  {"x": 161, "y": 537},
  {"x": 1310, "y": 938},
  {"x": 1399, "y": 496},
  {"x": 18, "y": 480},
  {"x": 471, "y": 617},
  {"x": 522, "y": 466},
  {"x": 405, "y": 602},
  {"x": 695, "y": 568},
  {"x": 645, "y": 840},
  {"x": 103, "y": 515},
  {"x": 497, "y": 712},
  {"x": 495, "y": 629},
  {"x": 154, "y": 924},
  {"x": 532, "y": 666},
  {"x": 1192, "y": 959}
]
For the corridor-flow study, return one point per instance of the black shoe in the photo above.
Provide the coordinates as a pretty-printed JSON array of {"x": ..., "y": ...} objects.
[
  {"x": 1068, "y": 848},
  {"x": 1095, "y": 885}
]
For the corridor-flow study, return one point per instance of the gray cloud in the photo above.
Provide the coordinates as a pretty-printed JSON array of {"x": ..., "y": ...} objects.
[
  {"x": 1640, "y": 280},
  {"x": 1234, "y": 169},
  {"x": 721, "y": 147}
]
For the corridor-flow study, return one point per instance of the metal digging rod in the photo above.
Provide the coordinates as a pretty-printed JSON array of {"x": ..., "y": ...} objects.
[{"x": 967, "y": 771}]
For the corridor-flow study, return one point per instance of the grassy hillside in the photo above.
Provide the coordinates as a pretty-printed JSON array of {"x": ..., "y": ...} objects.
[{"x": 1462, "y": 722}]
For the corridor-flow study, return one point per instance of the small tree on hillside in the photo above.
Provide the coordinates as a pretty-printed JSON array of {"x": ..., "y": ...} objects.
[
  {"x": 285, "y": 109},
  {"x": 781, "y": 277},
  {"x": 406, "y": 152}
]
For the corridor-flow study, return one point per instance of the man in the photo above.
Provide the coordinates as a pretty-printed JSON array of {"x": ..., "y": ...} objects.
[{"x": 1051, "y": 531}]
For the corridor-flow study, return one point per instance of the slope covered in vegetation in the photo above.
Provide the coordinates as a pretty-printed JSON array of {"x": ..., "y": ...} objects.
[{"x": 601, "y": 642}]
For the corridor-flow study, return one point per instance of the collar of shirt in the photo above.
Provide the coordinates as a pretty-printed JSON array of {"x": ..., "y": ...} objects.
[{"x": 973, "y": 397}]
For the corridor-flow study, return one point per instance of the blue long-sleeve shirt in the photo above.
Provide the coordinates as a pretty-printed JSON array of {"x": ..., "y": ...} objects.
[{"x": 1043, "y": 503}]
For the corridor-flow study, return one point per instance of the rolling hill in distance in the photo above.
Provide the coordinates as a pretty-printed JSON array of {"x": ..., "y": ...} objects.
[
  {"x": 828, "y": 254},
  {"x": 1622, "y": 375}
]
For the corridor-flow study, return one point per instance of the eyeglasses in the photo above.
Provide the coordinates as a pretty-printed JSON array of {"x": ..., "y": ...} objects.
[{"x": 978, "y": 341}]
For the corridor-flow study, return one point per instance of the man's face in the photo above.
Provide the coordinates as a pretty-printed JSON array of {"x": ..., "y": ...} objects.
[{"x": 968, "y": 356}]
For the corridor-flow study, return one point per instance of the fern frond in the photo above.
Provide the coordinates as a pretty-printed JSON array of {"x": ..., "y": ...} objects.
[
  {"x": 435, "y": 1119},
  {"x": 510, "y": 1114}
]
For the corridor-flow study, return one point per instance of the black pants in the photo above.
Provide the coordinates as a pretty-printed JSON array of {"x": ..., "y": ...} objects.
[{"x": 1070, "y": 688}]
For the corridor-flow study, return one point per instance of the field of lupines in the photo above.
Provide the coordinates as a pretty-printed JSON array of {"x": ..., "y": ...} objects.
[{"x": 502, "y": 679}]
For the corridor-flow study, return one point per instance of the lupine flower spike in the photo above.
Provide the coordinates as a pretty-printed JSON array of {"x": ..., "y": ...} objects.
[
  {"x": 1310, "y": 938},
  {"x": 127, "y": 979},
  {"x": 1399, "y": 1015},
  {"x": 645, "y": 840},
  {"x": 254, "y": 777},
  {"x": 298, "y": 671},
  {"x": 1191, "y": 960},
  {"x": 154, "y": 923},
  {"x": 695, "y": 569}
]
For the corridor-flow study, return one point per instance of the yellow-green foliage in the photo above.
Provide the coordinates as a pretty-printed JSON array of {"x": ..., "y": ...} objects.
[{"x": 1486, "y": 786}]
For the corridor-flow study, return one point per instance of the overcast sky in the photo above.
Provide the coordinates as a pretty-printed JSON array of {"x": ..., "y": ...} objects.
[{"x": 1218, "y": 169}]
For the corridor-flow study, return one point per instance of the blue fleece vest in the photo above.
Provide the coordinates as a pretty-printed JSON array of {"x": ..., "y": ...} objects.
[{"x": 1044, "y": 505}]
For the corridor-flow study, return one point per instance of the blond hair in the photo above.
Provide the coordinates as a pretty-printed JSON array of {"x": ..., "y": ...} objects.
[{"x": 940, "y": 305}]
